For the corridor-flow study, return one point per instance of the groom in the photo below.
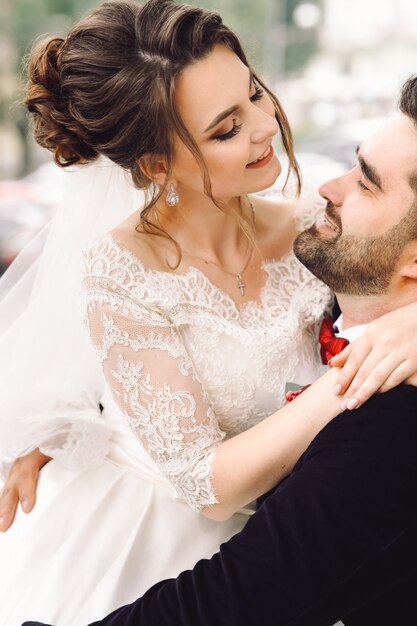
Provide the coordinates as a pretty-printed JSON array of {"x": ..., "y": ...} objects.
[{"x": 337, "y": 539}]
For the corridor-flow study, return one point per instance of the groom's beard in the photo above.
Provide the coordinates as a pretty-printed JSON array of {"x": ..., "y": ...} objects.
[{"x": 358, "y": 266}]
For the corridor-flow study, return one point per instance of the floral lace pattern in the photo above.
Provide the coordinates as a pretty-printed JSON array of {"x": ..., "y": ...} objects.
[{"x": 186, "y": 366}]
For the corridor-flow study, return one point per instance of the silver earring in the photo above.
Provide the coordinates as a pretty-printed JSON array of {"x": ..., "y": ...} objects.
[{"x": 172, "y": 196}]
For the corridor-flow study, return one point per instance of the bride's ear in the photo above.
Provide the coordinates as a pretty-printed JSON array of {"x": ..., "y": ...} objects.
[{"x": 154, "y": 166}]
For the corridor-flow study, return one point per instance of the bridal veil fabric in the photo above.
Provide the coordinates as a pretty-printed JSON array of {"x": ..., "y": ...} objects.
[{"x": 50, "y": 379}]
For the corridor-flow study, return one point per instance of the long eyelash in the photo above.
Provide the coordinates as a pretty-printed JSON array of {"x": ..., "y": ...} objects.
[
  {"x": 259, "y": 92},
  {"x": 234, "y": 131},
  {"x": 362, "y": 186}
]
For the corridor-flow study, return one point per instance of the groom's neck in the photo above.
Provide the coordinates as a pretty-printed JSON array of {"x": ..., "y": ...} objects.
[{"x": 359, "y": 310}]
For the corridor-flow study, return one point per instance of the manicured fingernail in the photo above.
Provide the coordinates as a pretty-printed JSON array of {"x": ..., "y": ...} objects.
[
  {"x": 25, "y": 505},
  {"x": 1, "y": 521},
  {"x": 352, "y": 404},
  {"x": 344, "y": 404},
  {"x": 337, "y": 389}
]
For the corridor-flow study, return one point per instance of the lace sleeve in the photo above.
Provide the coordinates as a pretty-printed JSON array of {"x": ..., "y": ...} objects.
[
  {"x": 59, "y": 410},
  {"x": 153, "y": 383}
]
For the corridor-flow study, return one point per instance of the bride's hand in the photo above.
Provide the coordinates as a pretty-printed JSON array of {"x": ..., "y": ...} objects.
[
  {"x": 20, "y": 487},
  {"x": 384, "y": 357}
]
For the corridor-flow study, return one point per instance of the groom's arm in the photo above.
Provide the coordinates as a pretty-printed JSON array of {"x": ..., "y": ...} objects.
[{"x": 341, "y": 530}]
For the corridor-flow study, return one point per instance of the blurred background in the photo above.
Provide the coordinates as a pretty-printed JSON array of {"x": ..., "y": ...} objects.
[{"x": 336, "y": 66}]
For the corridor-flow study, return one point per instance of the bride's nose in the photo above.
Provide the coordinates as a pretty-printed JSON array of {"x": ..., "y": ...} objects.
[{"x": 265, "y": 126}]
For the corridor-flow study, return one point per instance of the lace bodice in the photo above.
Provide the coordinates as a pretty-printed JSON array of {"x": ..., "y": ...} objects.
[{"x": 187, "y": 367}]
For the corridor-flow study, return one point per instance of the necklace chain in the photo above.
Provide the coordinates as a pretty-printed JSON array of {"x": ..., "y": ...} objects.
[{"x": 240, "y": 284}]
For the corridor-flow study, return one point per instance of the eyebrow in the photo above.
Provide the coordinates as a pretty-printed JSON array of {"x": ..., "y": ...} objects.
[
  {"x": 222, "y": 116},
  {"x": 369, "y": 171}
]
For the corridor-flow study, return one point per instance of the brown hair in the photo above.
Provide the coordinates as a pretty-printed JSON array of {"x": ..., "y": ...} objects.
[
  {"x": 408, "y": 98},
  {"x": 408, "y": 106},
  {"x": 108, "y": 88}
]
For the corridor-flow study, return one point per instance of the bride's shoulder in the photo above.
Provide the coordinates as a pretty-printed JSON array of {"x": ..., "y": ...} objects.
[
  {"x": 275, "y": 219},
  {"x": 126, "y": 242},
  {"x": 281, "y": 215},
  {"x": 286, "y": 208}
]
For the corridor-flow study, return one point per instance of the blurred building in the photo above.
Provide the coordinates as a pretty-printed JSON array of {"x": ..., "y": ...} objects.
[
  {"x": 366, "y": 24},
  {"x": 366, "y": 50}
]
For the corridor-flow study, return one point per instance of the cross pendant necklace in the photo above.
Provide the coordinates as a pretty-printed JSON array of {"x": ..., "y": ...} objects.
[{"x": 240, "y": 284}]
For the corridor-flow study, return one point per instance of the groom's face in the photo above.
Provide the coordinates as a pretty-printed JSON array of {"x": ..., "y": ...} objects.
[{"x": 371, "y": 214}]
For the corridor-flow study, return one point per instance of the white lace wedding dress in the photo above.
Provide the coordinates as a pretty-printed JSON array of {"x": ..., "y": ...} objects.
[{"x": 184, "y": 368}]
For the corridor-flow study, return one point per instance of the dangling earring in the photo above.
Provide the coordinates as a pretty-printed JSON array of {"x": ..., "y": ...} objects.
[{"x": 172, "y": 196}]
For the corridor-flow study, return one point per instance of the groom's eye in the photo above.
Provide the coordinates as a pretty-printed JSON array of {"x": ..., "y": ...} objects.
[{"x": 362, "y": 185}]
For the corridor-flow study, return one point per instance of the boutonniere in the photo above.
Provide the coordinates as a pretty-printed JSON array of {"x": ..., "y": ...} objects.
[{"x": 292, "y": 390}]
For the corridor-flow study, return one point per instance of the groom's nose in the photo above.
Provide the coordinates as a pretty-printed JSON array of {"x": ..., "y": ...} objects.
[{"x": 332, "y": 191}]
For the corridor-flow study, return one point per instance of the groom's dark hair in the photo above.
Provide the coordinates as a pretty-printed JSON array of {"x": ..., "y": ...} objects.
[{"x": 408, "y": 106}]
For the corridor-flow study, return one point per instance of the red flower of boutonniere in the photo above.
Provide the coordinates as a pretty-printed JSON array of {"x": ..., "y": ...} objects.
[{"x": 290, "y": 395}]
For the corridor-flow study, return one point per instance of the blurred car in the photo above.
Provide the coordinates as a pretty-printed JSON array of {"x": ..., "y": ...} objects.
[
  {"x": 339, "y": 143},
  {"x": 317, "y": 168},
  {"x": 25, "y": 207},
  {"x": 19, "y": 223}
]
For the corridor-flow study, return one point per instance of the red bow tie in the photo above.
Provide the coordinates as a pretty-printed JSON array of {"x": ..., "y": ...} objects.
[{"x": 330, "y": 345}]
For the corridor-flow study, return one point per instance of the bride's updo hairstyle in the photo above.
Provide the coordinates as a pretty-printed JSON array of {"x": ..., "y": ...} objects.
[{"x": 109, "y": 87}]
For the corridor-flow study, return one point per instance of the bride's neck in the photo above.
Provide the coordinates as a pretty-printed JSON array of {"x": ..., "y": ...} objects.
[{"x": 201, "y": 228}]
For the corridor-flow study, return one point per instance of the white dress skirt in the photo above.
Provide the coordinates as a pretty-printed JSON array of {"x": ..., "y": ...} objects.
[{"x": 99, "y": 539}]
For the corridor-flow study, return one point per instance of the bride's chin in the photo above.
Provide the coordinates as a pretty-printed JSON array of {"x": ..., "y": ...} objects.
[
  {"x": 271, "y": 175},
  {"x": 266, "y": 183}
]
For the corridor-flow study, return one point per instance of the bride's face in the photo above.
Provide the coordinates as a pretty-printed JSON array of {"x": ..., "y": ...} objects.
[{"x": 233, "y": 123}]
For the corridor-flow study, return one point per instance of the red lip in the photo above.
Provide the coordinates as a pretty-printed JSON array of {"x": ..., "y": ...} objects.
[{"x": 263, "y": 161}]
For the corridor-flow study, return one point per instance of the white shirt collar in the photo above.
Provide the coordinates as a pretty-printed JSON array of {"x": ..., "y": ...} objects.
[{"x": 351, "y": 333}]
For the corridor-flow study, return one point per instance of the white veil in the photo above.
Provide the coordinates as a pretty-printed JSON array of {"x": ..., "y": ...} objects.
[{"x": 50, "y": 379}]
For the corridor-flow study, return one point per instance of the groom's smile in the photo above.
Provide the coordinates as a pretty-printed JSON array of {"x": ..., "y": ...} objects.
[{"x": 329, "y": 222}]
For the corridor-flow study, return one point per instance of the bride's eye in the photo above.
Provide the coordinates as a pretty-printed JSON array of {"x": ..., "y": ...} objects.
[
  {"x": 231, "y": 133},
  {"x": 259, "y": 92}
]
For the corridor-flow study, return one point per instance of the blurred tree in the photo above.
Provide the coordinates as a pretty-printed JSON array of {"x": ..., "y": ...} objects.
[
  {"x": 31, "y": 18},
  {"x": 246, "y": 18},
  {"x": 273, "y": 38},
  {"x": 22, "y": 21},
  {"x": 302, "y": 38}
]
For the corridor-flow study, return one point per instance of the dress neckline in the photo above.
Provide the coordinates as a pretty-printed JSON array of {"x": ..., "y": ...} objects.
[{"x": 258, "y": 304}]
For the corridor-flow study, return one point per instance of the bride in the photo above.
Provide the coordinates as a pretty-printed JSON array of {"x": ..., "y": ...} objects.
[{"x": 195, "y": 304}]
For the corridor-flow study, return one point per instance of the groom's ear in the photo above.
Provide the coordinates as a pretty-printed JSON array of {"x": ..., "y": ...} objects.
[{"x": 409, "y": 264}]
